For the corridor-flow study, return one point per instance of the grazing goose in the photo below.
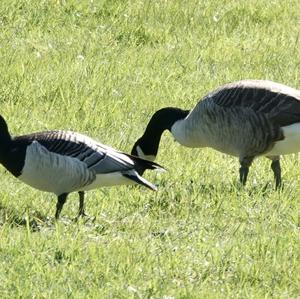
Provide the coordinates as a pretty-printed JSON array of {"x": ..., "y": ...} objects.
[
  {"x": 245, "y": 119},
  {"x": 62, "y": 162}
]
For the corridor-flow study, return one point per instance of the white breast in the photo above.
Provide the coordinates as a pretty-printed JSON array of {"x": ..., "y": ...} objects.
[
  {"x": 291, "y": 142},
  {"x": 52, "y": 172},
  {"x": 184, "y": 135}
]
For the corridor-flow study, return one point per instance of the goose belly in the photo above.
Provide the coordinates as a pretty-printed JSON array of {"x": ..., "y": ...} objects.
[
  {"x": 291, "y": 142},
  {"x": 107, "y": 180},
  {"x": 219, "y": 140},
  {"x": 52, "y": 172}
]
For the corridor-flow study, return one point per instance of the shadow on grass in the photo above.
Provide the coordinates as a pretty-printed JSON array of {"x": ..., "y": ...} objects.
[
  {"x": 35, "y": 221},
  {"x": 263, "y": 189}
]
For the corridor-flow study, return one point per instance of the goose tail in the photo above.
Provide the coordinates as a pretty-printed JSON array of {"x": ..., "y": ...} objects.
[
  {"x": 140, "y": 165},
  {"x": 134, "y": 176}
]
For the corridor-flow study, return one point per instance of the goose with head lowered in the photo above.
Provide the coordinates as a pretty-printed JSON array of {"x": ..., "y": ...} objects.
[
  {"x": 62, "y": 162},
  {"x": 246, "y": 119}
]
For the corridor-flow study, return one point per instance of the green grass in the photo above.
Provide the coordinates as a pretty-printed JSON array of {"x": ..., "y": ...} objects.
[{"x": 102, "y": 68}]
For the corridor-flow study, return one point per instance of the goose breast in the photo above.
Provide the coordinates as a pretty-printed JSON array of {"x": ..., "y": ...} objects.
[{"x": 52, "y": 172}]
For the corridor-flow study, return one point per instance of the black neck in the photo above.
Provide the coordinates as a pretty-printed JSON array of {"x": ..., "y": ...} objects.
[
  {"x": 161, "y": 120},
  {"x": 12, "y": 151},
  {"x": 5, "y": 138}
]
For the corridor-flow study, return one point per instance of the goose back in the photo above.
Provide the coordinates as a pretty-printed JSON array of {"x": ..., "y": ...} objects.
[
  {"x": 279, "y": 102},
  {"x": 97, "y": 157}
]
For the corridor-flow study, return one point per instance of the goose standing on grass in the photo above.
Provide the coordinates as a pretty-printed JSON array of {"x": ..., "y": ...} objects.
[
  {"x": 245, "y": 119},
  {"x": 62, "y": 162}
]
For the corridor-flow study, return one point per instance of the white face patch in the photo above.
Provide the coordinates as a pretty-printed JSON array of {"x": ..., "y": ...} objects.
[{"x": 143, "y": 156}]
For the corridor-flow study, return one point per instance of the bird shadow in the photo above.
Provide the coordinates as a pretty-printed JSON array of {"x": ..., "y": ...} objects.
[
  {"x": 36, "y": 221},
  {"x": 237, "y": 188}
]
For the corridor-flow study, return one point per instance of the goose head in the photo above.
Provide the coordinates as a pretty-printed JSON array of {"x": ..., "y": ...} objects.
[{"x": 146, "y": 147}]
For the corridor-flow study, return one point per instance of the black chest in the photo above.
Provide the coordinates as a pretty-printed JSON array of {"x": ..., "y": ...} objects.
[{"x": 14, "y": 159}]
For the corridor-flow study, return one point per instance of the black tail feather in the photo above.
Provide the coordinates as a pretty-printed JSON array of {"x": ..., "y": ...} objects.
[
  {"x": 141, "y": 164},
  {"x": 140, "y": 180}
]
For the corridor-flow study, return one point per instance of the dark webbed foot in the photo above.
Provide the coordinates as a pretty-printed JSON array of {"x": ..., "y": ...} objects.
[
  {"x": 244, "y": 169},
  {"x": 61, "y": 199}
]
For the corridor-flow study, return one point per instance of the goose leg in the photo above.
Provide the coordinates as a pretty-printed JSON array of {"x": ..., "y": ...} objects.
[
  {"x": 81, "y": 212},
  {"x": 275, "y": 165},
  {"x": 61, "y": 199},
  {"x": 245, "y": 163}
]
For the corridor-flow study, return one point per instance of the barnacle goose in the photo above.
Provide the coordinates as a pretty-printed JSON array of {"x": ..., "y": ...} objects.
[
  {"x": 246, "y": 119},
  {"x": 62, "y": 162}
]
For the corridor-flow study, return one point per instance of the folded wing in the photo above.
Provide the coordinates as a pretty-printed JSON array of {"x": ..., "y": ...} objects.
[
  {"x": 280, "y": 103},
  {"x": 86, "y": 159}
]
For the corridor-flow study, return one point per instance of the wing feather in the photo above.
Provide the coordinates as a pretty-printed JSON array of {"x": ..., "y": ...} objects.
[
  {"x": 280, "y": 103},
  {"x": 98, "y": 157}
]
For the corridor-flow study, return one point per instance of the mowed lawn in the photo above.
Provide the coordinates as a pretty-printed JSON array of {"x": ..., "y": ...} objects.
[{"x": 103, "y": 68}]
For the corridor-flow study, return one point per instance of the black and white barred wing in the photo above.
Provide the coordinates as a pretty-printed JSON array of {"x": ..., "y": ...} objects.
[
  {"x": 98, "y": 157},
  {"x": 105, "y": 165},
  {"x": 112, "y": 160},
  {"x": 278, "y": 102}
]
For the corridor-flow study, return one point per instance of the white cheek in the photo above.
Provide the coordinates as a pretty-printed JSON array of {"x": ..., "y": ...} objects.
[{"x": 143, "y": 156}]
